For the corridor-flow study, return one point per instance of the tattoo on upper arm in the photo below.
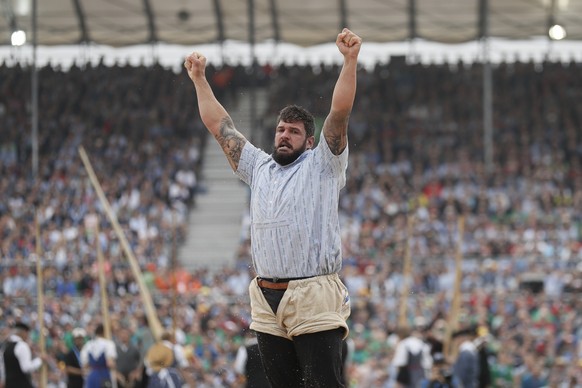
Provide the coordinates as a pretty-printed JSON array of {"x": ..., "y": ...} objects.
[
  {"x": 335, "y": 131},
  {"x": 231, "y": 141},
  {"x": 335, "y": 143}
]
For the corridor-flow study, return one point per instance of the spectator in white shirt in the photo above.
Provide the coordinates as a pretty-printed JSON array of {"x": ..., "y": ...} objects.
[
  {"x": 98, "y": 357},
  {"x": 17, "y": 357}
]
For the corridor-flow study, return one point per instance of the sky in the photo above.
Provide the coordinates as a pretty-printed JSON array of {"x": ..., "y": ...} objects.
[{"x": 234, "y": 52}]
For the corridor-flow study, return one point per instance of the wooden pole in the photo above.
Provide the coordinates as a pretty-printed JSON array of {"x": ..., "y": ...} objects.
[
  {"x": 153, "y": 320},
  {"x": 453, "y": 318},
  {"x": 103, "y": 285},
  {"x": 406, "y": 274},
  {"x": 174, "y": 276},
  {"x": 104, "y": 299},
  {"x": 40, "y": 301}
]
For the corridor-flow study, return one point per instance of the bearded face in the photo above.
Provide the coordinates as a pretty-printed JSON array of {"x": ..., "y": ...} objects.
[
  {"x": 290, "y": 142},
  {"x": 284, "y": 154}
]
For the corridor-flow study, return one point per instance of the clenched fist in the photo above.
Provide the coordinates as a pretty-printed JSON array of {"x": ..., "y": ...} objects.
[
  {"x": 348, "y": 43},
  {"x": 195, "y": 64}
]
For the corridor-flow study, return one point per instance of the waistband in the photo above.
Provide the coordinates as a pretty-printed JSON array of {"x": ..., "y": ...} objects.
[
  {"x": 284, "y": 280},
  {"x": 277, "y": 283}
]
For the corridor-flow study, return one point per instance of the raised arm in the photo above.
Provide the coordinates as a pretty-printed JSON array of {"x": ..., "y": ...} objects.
[
  {"x": 335, "y": 127},
  {"x": 213, "y": 115}
]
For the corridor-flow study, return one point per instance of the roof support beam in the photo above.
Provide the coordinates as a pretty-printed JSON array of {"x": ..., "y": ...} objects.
[
  {"x": 251, "y": 15},
  {"x": 254, "y": 65},
  {"x": 483, "y": 19},
  {"x": 488, "y": 129},
  {"x": 412, "y": 33},
  {"x": 84, "y": 38},
  {"x": 551, "y": 20},
  {"x": 153, "y": 33},
  {"x": 275, "y": 21},
  {"x": 343, "y": 14},
  {"x": 219, "y": 20}
]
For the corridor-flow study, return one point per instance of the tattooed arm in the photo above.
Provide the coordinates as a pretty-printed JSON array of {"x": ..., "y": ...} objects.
[
  {"x": 335, "y": 127},
  {"x": 212, "y": 113}
]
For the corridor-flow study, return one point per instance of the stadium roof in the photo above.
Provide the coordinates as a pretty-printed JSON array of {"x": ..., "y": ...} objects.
[{"x": 121, "y": 23}]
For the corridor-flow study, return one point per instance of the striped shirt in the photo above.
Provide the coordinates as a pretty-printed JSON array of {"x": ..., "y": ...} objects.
[{"x": 294, "y": 211}]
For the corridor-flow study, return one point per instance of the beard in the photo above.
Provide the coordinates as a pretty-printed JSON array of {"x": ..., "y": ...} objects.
[{"x": 287, "y": 158}]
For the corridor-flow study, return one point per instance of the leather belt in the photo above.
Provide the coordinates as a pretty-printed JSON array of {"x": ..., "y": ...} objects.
[
  {"x": 264, "y": 283},
  {"x": 277, "y": 284}
]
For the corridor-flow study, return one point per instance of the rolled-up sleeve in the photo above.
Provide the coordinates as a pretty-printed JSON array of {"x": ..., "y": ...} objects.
[{"x": 247, "y": 162}]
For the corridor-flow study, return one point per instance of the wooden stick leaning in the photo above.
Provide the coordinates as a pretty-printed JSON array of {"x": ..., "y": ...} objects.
[
  {"x": 102, "y": 285},
  {"x": 153, "y": 320},
  {"x": 40, "y": 301},
  {"x": 92, "y": 224},
  {"x": 453, "y": 318},
  {"x": 406, "y": 274},
  {"x": 104, "y": 298},
  {"x": 174, "y": 277}
]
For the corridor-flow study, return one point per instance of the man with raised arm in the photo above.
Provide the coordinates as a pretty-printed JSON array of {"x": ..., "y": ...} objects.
[{"x": 299, "y": 305}]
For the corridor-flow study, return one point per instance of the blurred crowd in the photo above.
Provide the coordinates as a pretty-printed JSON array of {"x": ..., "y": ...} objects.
[{"x": 417, "y": 179}]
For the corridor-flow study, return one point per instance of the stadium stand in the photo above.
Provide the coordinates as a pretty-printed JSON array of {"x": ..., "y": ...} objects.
[{"x": 416, "y": 148}]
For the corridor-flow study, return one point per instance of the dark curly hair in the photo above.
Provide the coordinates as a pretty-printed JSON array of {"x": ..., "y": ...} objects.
[{"x": 295, "y": 113}]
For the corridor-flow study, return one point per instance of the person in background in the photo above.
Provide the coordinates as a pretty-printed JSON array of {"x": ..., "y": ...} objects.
[
  {"x": 503, "y": 370},
  {"x": 18, "y": 360},
  {"x": 165, "y": 364},
  {"x": 72, "y": 360},
  {"x": 248, "y": 362},
  {"x": 299, "y": 305},
  {"x": 483, "y": 354},
  {"x": 466, "y": 365},
  {"x": 440, "y": 375},
  {"x": 535, "y": 376},
  {"x": 4, "y": 335},
  {"x": 128, "y": 360},
  {"x": 98, "y": 357},
  {"x": 348, "y": 349},
  {"x": 144, "y": 336},
  {"x": 412, "y": 360}
]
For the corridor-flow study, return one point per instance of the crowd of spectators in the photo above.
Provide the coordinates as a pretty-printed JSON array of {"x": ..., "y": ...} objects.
[{"x": 416, "y": 164}]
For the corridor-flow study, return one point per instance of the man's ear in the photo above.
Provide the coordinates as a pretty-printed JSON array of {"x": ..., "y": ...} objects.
[{"x": 310, "y": 142}]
